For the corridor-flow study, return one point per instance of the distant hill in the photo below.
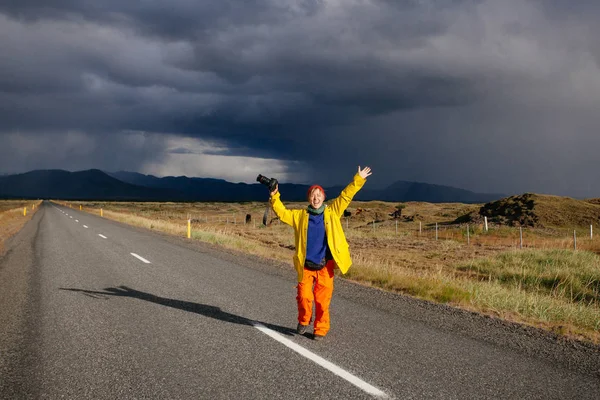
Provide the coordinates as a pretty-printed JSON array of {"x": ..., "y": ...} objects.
[
  {"x": 84, "y": 185},
  {"x": 98, "y": 185},
  {"x": 536, "y": 210},
  {"x": 417, "y": 191},
  {"x": 216, "y": 189},
  {"x": 208, "y": 189}
]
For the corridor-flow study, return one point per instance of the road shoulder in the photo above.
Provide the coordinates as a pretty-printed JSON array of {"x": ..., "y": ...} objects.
[{"x": 18, "y": 309}]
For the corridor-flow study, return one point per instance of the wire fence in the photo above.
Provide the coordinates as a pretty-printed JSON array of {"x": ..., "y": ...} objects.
[
  {"x": 482, "y": 234},
  {"x": 468, "y": 234}
]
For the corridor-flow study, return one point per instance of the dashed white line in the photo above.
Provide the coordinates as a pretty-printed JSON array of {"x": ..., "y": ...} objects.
[
  {"x": 85, "y": 226},
  {"x": 372, "y": 390},
  {"x": 140, "y": 258},
  {"x": 102, "y": 236},
  {"x": 76, "y": 220},
  {"x": 71, "y": 217}
]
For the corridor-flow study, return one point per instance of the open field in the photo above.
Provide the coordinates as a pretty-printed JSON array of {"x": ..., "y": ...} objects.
[
  {"x": 12, "y": 218},
  {"x": 544, "y": 283}
]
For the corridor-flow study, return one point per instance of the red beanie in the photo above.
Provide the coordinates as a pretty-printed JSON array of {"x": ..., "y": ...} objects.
[{"x": 313, "y": 187}]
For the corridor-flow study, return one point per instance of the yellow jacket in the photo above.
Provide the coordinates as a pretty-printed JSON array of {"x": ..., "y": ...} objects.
[{"x": 298, "y": 219}]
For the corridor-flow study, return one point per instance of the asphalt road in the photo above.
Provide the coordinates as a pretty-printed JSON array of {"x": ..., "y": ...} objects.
[{"x": 81, "y": 317}]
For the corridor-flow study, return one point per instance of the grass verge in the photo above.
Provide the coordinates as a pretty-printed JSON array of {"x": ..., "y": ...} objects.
[
  {"x": 558, "y": 290},
  {"x": 12, "y": 218}
]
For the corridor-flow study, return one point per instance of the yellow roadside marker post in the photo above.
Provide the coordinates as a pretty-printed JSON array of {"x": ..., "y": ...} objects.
[
  {"x": 189, "y": 235},
  {"x": 80, "y": 207},
  {"x": 101, "y": 213},
  {"x": 24, "y": 211}
]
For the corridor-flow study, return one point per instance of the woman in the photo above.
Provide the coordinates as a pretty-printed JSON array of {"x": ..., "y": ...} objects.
[{"x": 320, "y": 246}]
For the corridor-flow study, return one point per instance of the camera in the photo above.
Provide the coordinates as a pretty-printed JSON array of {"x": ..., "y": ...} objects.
[{"x": 271, "y": 183}]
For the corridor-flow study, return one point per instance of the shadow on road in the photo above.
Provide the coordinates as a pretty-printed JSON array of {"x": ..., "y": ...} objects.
[{"x": 202, "y": 309}]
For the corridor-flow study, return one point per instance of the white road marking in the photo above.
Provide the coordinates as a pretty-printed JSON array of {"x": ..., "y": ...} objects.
[
  {"x": 71, "y": 217},
  {"x": 140, "y": 258},
  {"x": 321, "y": 361},
  {"x": 102, "y": 236},
  {"x": 76, "y": 220},
  {"x": 85, "y": 226}
]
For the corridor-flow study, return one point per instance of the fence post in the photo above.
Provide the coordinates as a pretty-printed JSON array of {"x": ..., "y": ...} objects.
[
  {"x": 373, "y": 226},
  {"x": 574, "y": 240},
  {"x": 396, "y": 227},
  {"x": 486, "y": 226},
  {"x": 436, "y": 231},
  {"x": 420, "y": 227},
  {"x": 521, "y": 236},
  {"x": 468, "y": 236},
  {"x": 591, "y": 232}
]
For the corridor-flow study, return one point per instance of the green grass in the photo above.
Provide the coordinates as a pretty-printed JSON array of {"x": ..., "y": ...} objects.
[
  {"x": 557, "y": 313},
  {"x": 435, "y": 287},
  {"x": 225, "y": 240},
  {"x": 570, "y": 275},
  {"x": 557, "y": 289}
]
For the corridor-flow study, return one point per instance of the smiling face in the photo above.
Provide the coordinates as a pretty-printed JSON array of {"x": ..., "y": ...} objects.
[{"x": 316, "y": 198}]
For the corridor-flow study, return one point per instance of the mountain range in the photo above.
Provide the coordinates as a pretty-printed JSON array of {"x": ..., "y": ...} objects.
[{"x": 131, "y": 186}]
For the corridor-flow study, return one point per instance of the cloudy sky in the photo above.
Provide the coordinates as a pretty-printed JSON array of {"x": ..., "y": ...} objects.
[{"x": 490, "y": 96}]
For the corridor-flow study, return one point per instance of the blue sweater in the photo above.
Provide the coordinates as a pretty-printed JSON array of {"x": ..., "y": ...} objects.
[{"x": 316, "y": 240}]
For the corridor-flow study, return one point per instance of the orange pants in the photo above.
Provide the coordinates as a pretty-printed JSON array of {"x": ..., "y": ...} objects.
[{"x": 316, "y": 286}]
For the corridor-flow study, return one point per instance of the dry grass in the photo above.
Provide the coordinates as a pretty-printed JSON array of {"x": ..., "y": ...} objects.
[
  {"x": 545, "y": 284},
  {"x": 12, "y": 218}
]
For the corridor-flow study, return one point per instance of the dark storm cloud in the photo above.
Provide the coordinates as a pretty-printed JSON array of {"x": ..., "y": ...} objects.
[
  {"x": 173, "y": 20},
  {"x": 443, "y": 92}
]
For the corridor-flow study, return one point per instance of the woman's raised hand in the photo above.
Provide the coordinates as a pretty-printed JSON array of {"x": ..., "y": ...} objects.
[{"x": 364, "y": 172}]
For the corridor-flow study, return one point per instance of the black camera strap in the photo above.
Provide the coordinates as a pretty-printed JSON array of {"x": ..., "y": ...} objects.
[{"x": 271, "y": 183}]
